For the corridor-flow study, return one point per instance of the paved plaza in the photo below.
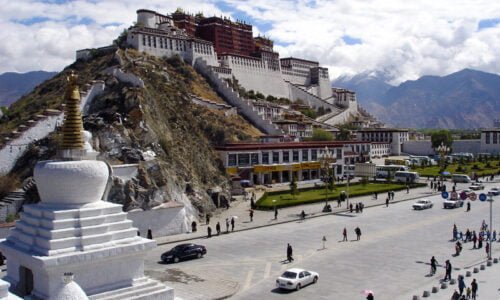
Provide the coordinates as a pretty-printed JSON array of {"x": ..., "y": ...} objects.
[{"x": 391, "y": 259}]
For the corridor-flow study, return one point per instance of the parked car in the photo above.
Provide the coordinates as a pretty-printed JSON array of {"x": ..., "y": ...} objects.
[
  {"x": 448, "y": 203},
  {"x": 494, "y": 191},
  {"x": 183, "y": 251},
  {"x": 476, "y": 187},
  {"x": 295, "y": 279},
  {"x": 422, "y": 204}
]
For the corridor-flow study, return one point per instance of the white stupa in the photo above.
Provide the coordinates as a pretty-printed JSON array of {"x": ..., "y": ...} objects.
[{"x": 73, "y": 233}]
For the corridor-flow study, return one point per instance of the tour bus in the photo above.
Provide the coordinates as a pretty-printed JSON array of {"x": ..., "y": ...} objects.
[
  {"x": 349, "y": 171},
  {"x": 406, "y": 177},
  {"x": 461, "y": 178},
  {"x": 383, "y": 171}
]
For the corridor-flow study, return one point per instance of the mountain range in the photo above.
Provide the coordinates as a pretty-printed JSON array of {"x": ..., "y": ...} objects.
[
  {"x": 14, "y": 85},
  {"x": 462, "y": 100}
]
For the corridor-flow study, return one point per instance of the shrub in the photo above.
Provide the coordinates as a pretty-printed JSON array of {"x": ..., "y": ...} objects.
[{"x": 8, "y": 184}]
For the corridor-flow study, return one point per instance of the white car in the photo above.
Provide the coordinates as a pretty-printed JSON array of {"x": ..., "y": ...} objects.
[
  {"x": 448, "y": 203},
  {"x": 476, "y": 187},
  {"x": 295, "y": 279},
  {"x": 494, "y": 191},
  {"x": 422, "y": 204}
]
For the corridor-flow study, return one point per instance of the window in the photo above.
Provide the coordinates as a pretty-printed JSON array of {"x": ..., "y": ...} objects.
[
  {"x": 144, "y": 40},
  {"x": 254, "y": 158},
  {"x": 487, "y": 137},
  {"x": 286, "y": 156},
  {"x": 305, "y": 155},
  {"x": 243, "y": 159},
  {"x": 265, "y": 157},
  {"x": 295, "y": 155},
  {"x": 314, "y": 154},
  {"x": 494, "y": 137},
  {"x": 276, "y": 157},
  {"x": 231, "y": 160},
  {"x": 339, "y": 153}
]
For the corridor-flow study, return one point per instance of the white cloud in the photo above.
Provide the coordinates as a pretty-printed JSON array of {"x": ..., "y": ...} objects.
[{"x": 405, "y": 39}]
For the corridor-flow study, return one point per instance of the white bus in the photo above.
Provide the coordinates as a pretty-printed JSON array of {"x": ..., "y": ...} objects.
[
  {"x": 460, "y": 178},
  {"x": 406, "y": 177},
  {"x": 383, "y": 171}
]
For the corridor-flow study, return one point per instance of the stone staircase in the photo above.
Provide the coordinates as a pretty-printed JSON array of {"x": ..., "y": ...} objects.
[
  {"x": 140, "y": 289},
  {"x": 11, "y": 203}
]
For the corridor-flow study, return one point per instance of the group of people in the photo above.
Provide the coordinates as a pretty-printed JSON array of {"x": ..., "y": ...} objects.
[
  {"x": 470, "y": 291},
  {"x": 484, "y": 235},
  {"x": 229, "y": 222},
  {"x": 358, "y": 207},
  {"x": 357, "y": 231}
]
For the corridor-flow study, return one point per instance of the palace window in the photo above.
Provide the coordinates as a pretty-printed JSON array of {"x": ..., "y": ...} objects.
[
  {"x": 339, "y": 153},
  {"x": 295, "y": 155},
  {"x": 254, "y": 158},
  {"x": 143, "y": 40},
  {"x": 231, "y": 160},
  {"x": 243, "y": 159},
  {"x": 494, "y": 137},
  {"x": 286, "y": 156},
  {"x": 487, "y": 137},
  {"x": 305, "y": 156},
  {"x": 149, "y": 41},
  {"x": 265, "y": 157},
  {"x": 314, "y": 154},
  {"x": 276, "y": 157}
]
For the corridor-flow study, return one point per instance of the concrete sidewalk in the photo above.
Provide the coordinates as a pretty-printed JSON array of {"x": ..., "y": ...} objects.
[{"x": 240, "y": 209}]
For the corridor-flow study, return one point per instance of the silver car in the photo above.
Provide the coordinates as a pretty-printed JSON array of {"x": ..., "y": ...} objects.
[
  {"x": 422, "y": 204},
  {"x": 295, "y": 279}
]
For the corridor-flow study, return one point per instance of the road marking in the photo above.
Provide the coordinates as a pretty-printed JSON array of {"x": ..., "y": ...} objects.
[
  {"x": 248, "y": 280},
  {"x": 267, "y": 270}
]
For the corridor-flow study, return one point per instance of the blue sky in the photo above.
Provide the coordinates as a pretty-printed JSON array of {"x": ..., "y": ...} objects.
[{"x": 405, "y": 39}]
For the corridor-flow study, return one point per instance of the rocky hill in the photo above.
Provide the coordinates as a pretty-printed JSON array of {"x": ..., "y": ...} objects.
[
  {"x": 154, "y": 124},
  {"x": 465, "y": 99},
  {"x": 15, "y": 85}
]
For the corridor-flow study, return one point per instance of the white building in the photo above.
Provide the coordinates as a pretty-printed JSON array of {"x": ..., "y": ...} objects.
[{"x": 395, "y": 137}]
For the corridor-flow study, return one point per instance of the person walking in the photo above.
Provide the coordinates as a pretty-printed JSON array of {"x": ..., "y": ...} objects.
[
  {"x": 232, "y": 223},
  {"x": 217, "y": 228},
  {"x": 275, "y": 213},
  {"x": 461, "y": 284},
  {"x": 447, "y": 276},
  {"x": 387, "y": 202},
  {"x": 407, "y": 189},
  {"x": 344, "y": 233},
  {"x": 433, "y": 265},
  {"x": 370, "y": 296},
  {"x": 474, "y": 288},
  {"x": 207, "y": 219},
  {"x": 350, "y": 207},
  {"x": 474, "y": 239},
  {"x": 468, "y": 205},
  {"x": 251, "y": 215},
  {"x": 209, "y": 230},
  {"x": 487, "y": 248},
  {"x": 358, "y": 233},
  {"x": 468, "y": 292},
  {"x": 227, "y": 225},
  {"x": 289, "y": 253},
  {"x": 303, "y": 215}
]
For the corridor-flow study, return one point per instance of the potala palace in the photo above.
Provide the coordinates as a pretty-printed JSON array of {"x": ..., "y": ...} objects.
[{"x": 229, "y": 50}]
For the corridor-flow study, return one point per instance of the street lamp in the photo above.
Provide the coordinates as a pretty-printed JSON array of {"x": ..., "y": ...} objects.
[
  {"x": 326, "y": 159},
  {"x": 490, "y": 200},
  {"x": 442, "y": 150}
]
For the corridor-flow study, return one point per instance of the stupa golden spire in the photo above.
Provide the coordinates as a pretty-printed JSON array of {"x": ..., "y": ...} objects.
[{"x": 72, "y": 128}]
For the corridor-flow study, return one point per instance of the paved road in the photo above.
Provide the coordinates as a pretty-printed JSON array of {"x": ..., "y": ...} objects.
[{"x": 390, "y": 259}]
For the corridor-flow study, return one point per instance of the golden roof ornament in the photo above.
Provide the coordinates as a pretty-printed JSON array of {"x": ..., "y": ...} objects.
[{"x": 72, "y": 129}]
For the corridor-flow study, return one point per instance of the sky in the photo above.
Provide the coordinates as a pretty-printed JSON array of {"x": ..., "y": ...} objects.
[{"x": 402, "y": 39}]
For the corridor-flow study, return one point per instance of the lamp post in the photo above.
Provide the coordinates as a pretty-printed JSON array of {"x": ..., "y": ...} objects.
[
  {"x": 442, "y": 150},
  {"x": 490, "y": 200},
  {"x": 326, "y": 159}
]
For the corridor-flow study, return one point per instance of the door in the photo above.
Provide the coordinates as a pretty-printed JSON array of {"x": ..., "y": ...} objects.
[{"x": 25, "y": 285}]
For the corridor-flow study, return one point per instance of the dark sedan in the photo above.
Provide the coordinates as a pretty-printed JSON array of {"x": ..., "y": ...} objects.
[{"x": 183, "y": 251}]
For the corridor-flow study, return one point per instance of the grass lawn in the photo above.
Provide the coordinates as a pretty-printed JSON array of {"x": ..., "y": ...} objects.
[
  {"x": 466, "y": 168},
  {"x": 318, "y": 194}
]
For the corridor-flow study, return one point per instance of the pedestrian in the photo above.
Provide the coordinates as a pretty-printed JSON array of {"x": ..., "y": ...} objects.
[
  {"x": 361, "y": 206},
  {"x": 461, "y": 284},
  {"x": 407, "y": 189},
  {"x": 433, "y": 265},
  {"x": 432, "y": 185},
  {"x": 447, "y": 276},
  {"x": 150, "y": 234},
  {"x": 227, "y": 225},
  {"x": 480, "y": 242},
  {"x": 494, "y": 235},
  {"x": 455, "y": 296},
  {"x": 468, "y": 205},
  {"x": 468, "y": 292},
  {"x": 207, "y": 218},
  {"x": 387, "y": 202},
  {"x": 474, "y": 288},
  {"x": 487, "y": 248},
  {"x": 370, "y": 296},
  {"x": 350, "y": 207},
  {"x": 289, "y": 253},
  {"x": 275, "y": 213},
  {"x": 358, "y": 233},
  {"x": 252, "y": 203},
  {"x": 357, "y": 208},
  {"x": 392, "y": 195},
  {"x": 232, "y": 223},
  {"x": 474, "y": 239},
  {"x": 344, "y": 233},
  {"x": 209, "y": 230},
  {"x": 251, "y": 215},
  {"x": 303, "y": 215},
  {"x": 193, "y": 226},
  {"x": 376, "y": 195},
  {"x": 217, "y": 228}
]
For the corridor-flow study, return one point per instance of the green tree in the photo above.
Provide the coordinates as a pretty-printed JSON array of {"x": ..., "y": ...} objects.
[
  {"x": 442, "y": 136},
  {"x": 321, "y": 135},
  {"x": 345, "y": 132},
  {"x": 294, "y": 190}
]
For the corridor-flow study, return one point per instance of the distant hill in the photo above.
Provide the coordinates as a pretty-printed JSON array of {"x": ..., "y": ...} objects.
[
  {"x": 465, "y": 99},
  {"x": 15, "y": 85}
]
